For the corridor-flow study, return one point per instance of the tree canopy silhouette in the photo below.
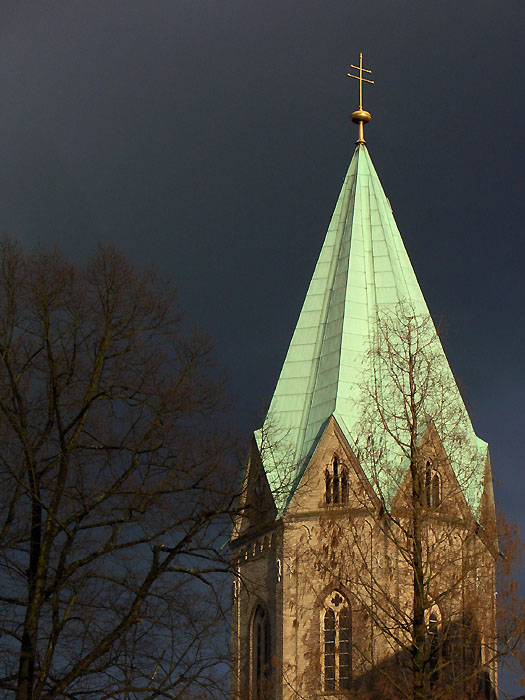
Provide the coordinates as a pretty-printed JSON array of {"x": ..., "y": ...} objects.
[{"x": 114, "y": 482}]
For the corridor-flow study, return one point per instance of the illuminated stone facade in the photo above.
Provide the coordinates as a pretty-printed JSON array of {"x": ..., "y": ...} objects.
[{"x": 342, "y": 503}]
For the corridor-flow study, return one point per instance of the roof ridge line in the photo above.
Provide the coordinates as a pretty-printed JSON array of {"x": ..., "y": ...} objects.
[{"x": 348, "y": 196}]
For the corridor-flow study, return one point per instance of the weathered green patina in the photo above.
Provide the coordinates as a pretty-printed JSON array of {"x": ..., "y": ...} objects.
[{"x": 363, "y": 269}]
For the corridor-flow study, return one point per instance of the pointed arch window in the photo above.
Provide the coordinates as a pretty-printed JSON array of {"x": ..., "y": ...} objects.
[
  {"x": 432, "y": 486},
  {"x": 336, "y": 644},
  {"x": 336, "y": 483},
  {"x": 260, "y": 647},
  {"x": 259, "y": 492},
  {"x": 434, "y": 648},
  {"x": 476, "y": 673}
]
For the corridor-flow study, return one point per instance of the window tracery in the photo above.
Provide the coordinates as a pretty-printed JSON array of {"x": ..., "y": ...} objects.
[
  {"x": 336, "y": 643},
  {"x": 336, "y": 483}
]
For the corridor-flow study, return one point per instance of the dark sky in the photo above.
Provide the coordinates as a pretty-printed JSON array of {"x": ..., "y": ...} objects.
[{"x": 209, "y": 138}]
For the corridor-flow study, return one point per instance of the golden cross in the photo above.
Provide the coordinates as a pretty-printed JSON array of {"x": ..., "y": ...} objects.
[{"x": 360, "y": 78}]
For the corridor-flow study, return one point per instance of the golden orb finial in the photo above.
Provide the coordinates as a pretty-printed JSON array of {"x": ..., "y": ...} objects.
[{"x": 360, "y": 116}]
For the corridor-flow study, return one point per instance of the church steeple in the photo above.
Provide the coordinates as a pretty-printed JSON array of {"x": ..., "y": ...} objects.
[
  {"x": 363, "y": 270},
  {"x": 365, "y": 537}
]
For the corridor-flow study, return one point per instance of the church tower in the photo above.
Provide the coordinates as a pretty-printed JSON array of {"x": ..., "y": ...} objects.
[{"x": 364, "y": 545}]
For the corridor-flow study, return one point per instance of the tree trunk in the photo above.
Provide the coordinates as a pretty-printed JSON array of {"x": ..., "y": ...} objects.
[
  {"x": 26, "y": 665},
  {"x": 419, "y": 598}
]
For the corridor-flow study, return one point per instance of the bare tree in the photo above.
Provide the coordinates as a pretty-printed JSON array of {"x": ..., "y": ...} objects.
[
  {"x": 407, "y": 538},
  {"x": 114, "y": 482},
  {"x": 413, "y": 419},
  {"x": 510, "y": 603}
]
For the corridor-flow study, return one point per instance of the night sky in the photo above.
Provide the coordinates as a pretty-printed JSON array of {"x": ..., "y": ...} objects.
[{"x": 210, "y": 138}]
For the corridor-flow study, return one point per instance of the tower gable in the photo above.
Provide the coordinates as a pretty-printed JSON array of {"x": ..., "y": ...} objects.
[
  {"x": 255, "y": 506},
  {"x": 333, "y": 478},
  {"x": 444, "y": 493}
]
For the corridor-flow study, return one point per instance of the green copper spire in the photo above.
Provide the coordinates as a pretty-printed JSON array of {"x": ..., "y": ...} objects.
[{"x": 363, "y": 269}]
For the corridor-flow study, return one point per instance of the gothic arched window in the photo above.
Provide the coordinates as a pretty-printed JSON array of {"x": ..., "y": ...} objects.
[
  {"x": 477, "y": 679},
  {"x": 336, "y": 643},
  {"x": 432, "y": 486},
  {"x": 260, "y": 646},
  {"x": 434, "y": 649},
  {"x": 328, "y": 486},
  {"x": 259, "y": 492},
  {"x": 336, "y": 483}
]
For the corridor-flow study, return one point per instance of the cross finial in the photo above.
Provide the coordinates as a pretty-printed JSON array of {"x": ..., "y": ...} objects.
[
  {"x": 360, "y": 78},
  {"x": 360, "y": 116}
]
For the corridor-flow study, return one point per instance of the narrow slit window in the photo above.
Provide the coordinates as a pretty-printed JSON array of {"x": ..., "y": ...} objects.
[
  {"x": 436, "y": 490},
  {"x": 328, "y": 486},
  {"x": 336, "y": 483},
  {"x": 260, "y": 653},
  {"x": 329, "y": 650},
  {"x": 432, "y": 486},
  {"x": 344, "y": 649},
  {"x": 335, "y": 466},
  {"x": 344, "y": 487},
  {"x": 428, "y": 480}
]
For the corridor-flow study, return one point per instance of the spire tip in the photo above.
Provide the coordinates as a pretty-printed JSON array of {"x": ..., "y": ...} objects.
[{"x": 361, "y": 116}]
